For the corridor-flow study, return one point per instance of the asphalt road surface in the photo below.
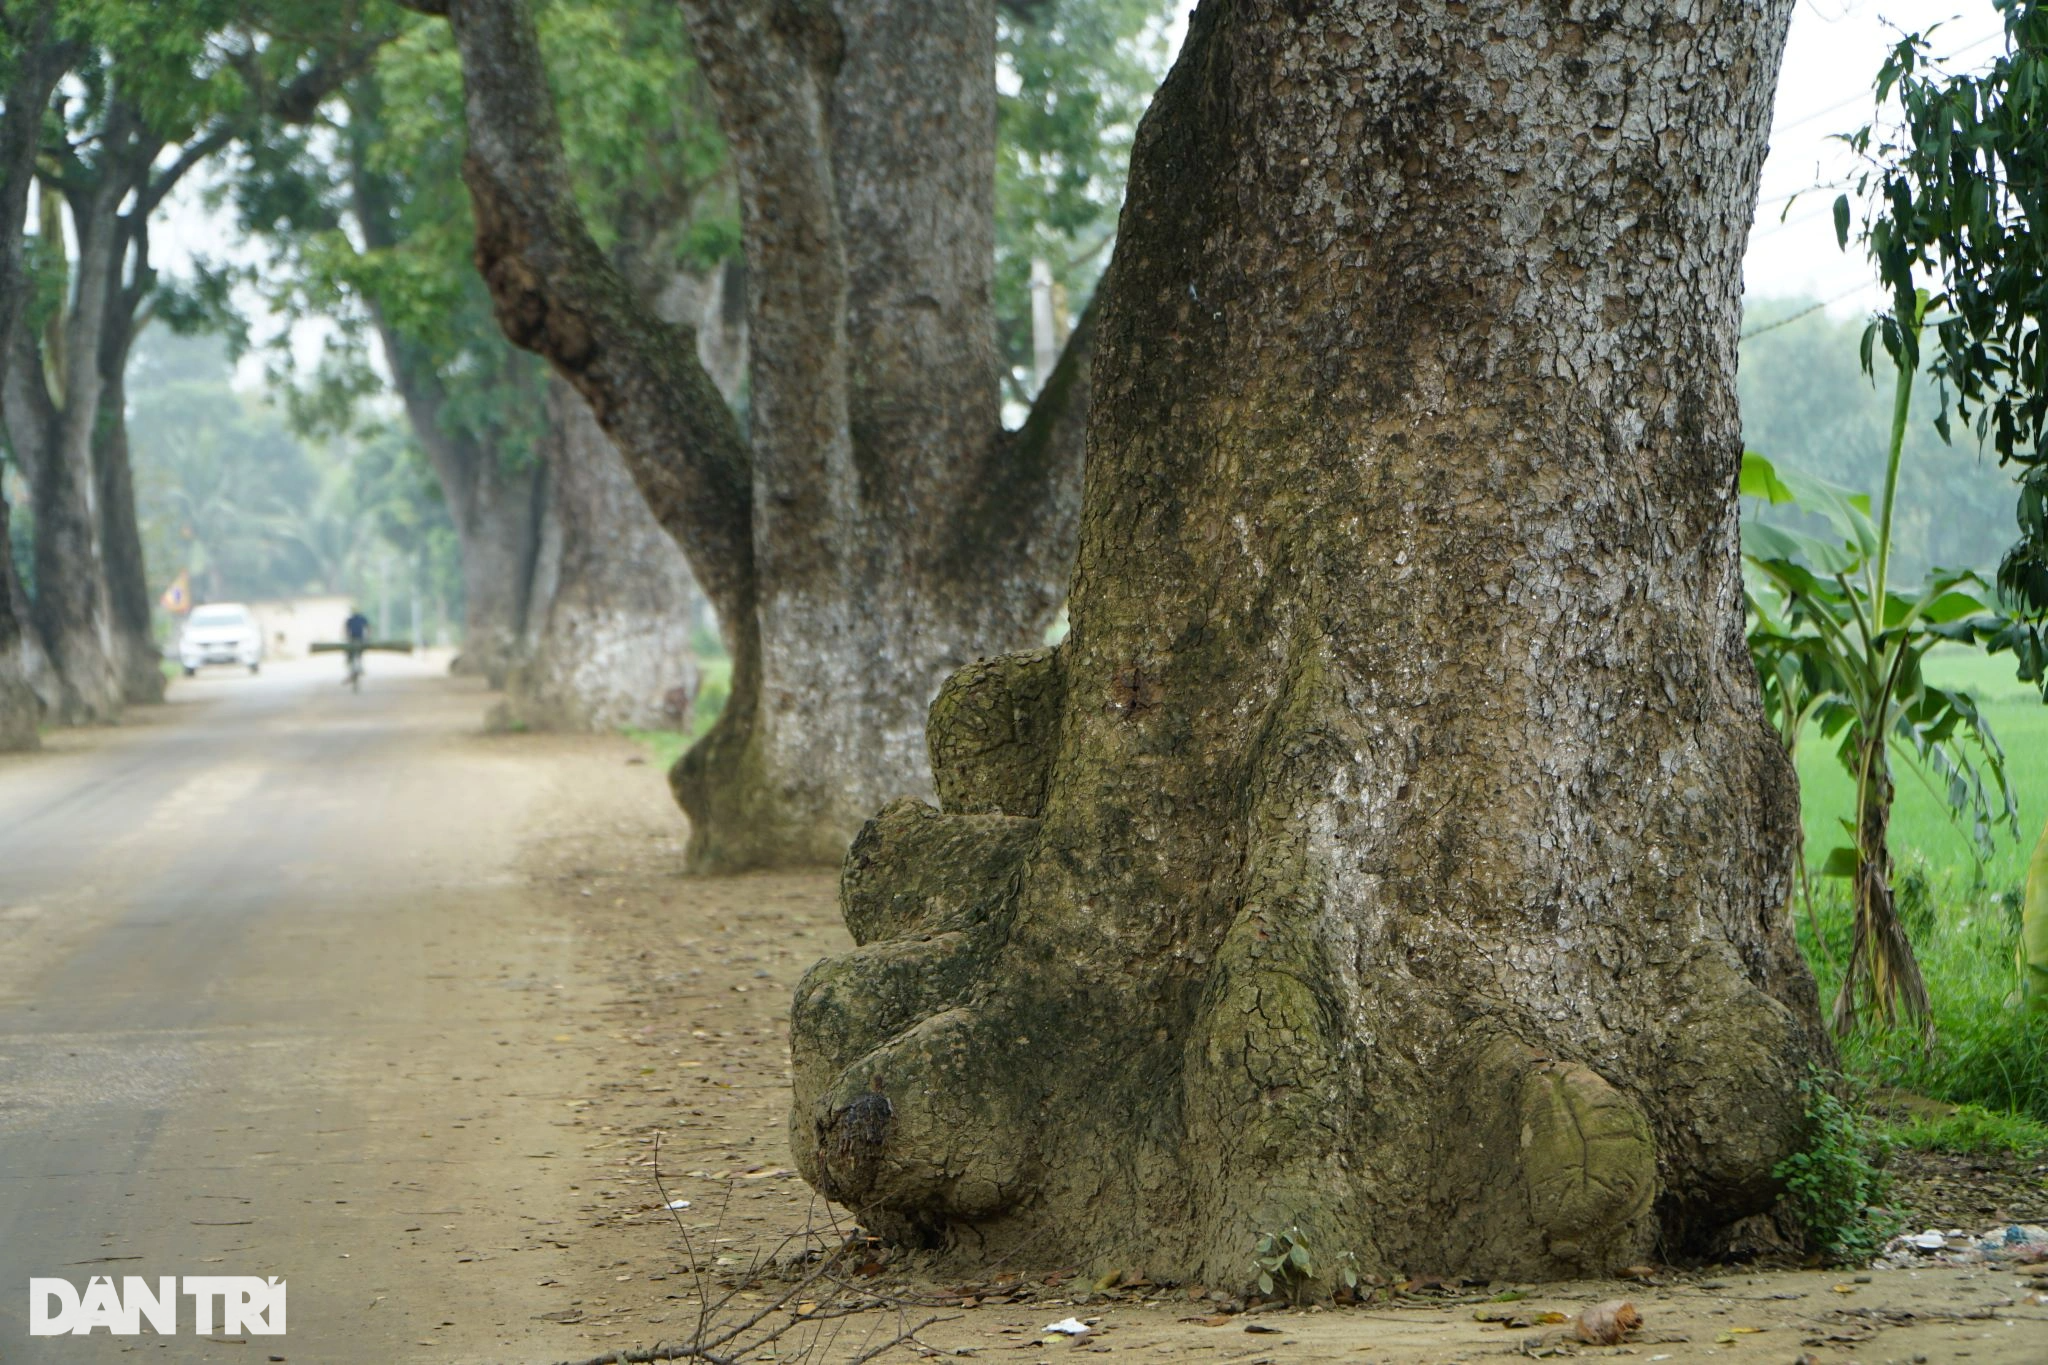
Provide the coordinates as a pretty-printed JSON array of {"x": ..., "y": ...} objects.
[{"x": 267, "y": 978}]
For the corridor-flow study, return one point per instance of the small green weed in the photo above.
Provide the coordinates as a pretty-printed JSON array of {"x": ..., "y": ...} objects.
[
  {"x": 1833, "y": 1188},
  {"x": 1284, "y": 1262}
]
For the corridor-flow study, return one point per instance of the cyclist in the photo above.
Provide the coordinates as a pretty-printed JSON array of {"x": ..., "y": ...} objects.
[{"x": 356, "y": 630}]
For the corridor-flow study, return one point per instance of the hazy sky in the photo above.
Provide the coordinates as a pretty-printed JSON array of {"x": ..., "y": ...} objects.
[{"x": 1831, "y": 56}]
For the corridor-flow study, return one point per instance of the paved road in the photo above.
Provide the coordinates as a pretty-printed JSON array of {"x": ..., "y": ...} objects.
[{"x": 242, "y": 1030}]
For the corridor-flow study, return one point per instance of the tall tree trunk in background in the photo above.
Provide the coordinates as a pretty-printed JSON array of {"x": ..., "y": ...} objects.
[
  {"x": 497, "y": 507},
  {"x": 1393, "y": 851},
  {"x": 876, "y": 528},
  {"x": 614, "y": 617},
  {"x": 499, "y": 532},
  {"x": 35, "y": 63},
  {"x": 19, "y": 708},
  {"x": 54, "y": 438},
  {"x": 614, "y": 640},
  {"x": 137, "y": 654}
]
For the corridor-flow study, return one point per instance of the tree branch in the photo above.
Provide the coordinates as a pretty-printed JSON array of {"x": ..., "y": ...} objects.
[
  {"x": 556, "y": 294},
  {"x": 768, "y": 64},
  {"x": 154, "y": 187}
]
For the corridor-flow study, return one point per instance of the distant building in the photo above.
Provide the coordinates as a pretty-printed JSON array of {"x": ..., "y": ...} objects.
[{"x": 292, "y": 624}]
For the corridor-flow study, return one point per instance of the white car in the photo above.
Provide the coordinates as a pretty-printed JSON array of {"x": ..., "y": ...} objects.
[{"x": 220, "y": 633}]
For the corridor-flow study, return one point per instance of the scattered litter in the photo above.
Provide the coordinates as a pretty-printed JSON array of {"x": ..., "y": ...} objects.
[
  {"x": 1068, "y": 1327},
  {"x": 678, "y": 1203},
  {"x": 2013, "y": 1244},
  {"x": 1605, "y": 1324}
]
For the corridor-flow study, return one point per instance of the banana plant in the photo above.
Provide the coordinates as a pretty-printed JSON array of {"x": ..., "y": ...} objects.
[
  {"x": 1839, "y": 646},
  {"x": 2034, "y": 931}
]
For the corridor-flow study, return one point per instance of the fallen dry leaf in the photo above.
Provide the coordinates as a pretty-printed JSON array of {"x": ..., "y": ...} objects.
[
  {"x": 1605, "y": 1324},
  {"x": 1213, "y": 1320}
]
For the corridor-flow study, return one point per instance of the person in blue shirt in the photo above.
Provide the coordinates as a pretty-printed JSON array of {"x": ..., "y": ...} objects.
[{"x": 356, "y": 631}]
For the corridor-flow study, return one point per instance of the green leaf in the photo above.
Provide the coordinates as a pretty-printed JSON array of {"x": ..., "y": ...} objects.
[
  {"x": 1840, "y": 862},
  {"x": 1842, "y": 221},
  {"x": 1797, "y": 550},
  {"x": 1760, "y": 479}
]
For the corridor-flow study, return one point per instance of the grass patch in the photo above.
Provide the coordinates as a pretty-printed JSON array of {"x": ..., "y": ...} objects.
[
  {"x": 1973, "y": 1130},
  {"x": 714, "y": 685},
  {"x": 1922, "y": 824},
  {"x": 1960, "y": 907}
]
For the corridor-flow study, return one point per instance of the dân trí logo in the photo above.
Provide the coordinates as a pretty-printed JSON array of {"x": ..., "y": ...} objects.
[{"x": 243, "y": 1304}]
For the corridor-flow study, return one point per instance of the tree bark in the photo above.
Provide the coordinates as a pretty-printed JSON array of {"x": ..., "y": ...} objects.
[
  {"x": 615, "y": 603},
  {"x": 497, "y": 508},
  {"x": 876, "y": 528},
  {"x": 499, "y": 533},
  {"x": 19, "y": 708},
  {"x": 137, "y": 655},
  {"x": 1391, "y": 852},
  {"x": 37, "y": 62},
  {"x": 614, "y": 640},
  {"x": 54, "y": 438}
]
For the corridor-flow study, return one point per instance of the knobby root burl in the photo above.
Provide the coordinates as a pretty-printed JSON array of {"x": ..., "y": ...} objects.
[{"x": 1015, "y": 1070}]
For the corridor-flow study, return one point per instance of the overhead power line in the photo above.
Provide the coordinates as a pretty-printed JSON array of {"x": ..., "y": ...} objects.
[{"x": 1807, "y": 311}]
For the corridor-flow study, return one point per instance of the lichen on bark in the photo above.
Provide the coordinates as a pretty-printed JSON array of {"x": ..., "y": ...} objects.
[{"x": 1392, "y": 850}]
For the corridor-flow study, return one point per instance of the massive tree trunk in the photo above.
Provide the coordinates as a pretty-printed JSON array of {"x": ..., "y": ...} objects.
[
  {"x": 875, "y": 528},
  {"x": 1393, "y": 851},
  {"x": 51, "y": 426},
  {"x": 35, "y": 63},
  {"x": 614, "y": 639}
]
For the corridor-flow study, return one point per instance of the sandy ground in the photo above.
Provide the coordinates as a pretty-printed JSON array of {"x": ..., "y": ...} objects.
[{"x": 427, "y": 1021}]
